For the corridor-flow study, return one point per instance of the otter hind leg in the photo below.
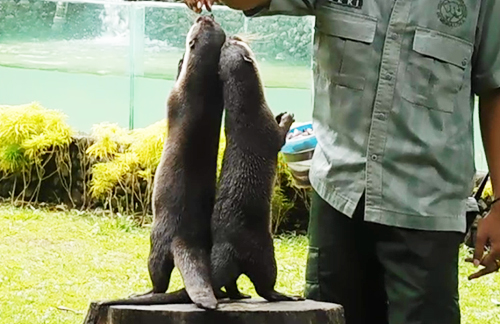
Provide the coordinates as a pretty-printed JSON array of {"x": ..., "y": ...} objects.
[
  {"x": 225, "y": 267},
  {"x": 262, "y": 272},
  {"x": 233, "y": 292},
  {"x": 160, "y": 266}
]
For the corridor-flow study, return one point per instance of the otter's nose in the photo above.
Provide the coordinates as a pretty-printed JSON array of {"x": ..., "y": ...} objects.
[{"x": 205, "y": 19}]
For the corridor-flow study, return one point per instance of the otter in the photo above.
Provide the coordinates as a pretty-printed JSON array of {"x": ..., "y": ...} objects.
[
  {"x": 241, "y": 222},
  {"x": 185, "y": 182},
  {"x": 242, "y": 242}
]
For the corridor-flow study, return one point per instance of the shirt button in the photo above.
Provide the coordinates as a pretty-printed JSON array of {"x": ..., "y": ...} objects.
[
  {"x": 464, "y": 62},
  {"x": 374, "y": 157},
  {"x": 388, "y": 77},
  {"x": 394, "y": 36},
  {"x": 380, "y": 116}
]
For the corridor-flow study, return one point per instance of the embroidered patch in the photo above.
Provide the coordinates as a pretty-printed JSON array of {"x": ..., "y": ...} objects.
[
  {"x": 349, "y": 3},
  {"x": 452, "y": 12}
]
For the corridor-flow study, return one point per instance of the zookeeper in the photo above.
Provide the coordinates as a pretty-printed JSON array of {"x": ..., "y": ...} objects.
[{"x": 394, "y": 87}]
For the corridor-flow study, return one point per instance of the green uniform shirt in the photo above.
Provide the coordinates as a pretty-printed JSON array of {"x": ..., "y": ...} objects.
[{"x": 394, "y": 84}]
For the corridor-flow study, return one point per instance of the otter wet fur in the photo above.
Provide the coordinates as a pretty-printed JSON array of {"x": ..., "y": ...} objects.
[
  {"x": 241, "y": 223},
  {"x": 185, "y": 181}
]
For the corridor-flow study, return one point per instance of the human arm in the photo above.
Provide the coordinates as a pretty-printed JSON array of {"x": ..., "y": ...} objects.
[
  {"x": 259, "y": 7},
  {"x": 197, "y": 5},
  {"x": 489, "y": 227},
  {"x": 486, "y": 84}
]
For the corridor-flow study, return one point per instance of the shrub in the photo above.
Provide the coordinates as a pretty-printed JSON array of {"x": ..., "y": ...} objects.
[
  {"x": 124, "y": 178},
  {"x": 30, "y": 138},
  {"x": 112, "y": 168},
  {"x": 280, "y": 204}
]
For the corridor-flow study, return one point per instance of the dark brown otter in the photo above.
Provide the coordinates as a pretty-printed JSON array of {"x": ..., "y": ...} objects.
[
  {"x": 184, "y": 191},
  {"x": 242, "y": 240},
  {"x": 185, "y": 180}
]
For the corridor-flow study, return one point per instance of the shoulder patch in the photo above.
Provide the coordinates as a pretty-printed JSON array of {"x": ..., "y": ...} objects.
[
  {"x": 348, "y": 3},
  {"x": 452, "y": 13}
]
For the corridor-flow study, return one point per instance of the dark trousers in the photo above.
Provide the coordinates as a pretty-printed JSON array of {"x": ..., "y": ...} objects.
[{"x": 381, "y": 274}]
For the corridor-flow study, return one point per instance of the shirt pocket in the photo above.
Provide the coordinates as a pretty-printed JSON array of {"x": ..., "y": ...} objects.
[
  {"x": 343, "y": 43},
  {"x": 436, "y": 69}
]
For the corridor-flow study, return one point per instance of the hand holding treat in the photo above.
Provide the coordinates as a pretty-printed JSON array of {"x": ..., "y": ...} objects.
[{"x": 197, "y": 5}]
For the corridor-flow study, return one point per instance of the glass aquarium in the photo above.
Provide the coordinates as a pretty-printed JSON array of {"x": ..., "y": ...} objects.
[{"x": 115, "y": 61}]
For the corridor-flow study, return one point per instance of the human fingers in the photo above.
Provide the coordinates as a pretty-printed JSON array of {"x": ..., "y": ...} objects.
[
  {"x": 198, "y": 7},
  {"x": 208, "y": 4},
  {"x": 194, "y": 5},
  {"x": 490, "y": 265},
  {"x": 481, "y": 239}
]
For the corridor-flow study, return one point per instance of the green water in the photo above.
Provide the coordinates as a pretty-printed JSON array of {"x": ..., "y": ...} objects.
[
  {"x": 94, "y": 80},
  {"x": 88, "y": 99},
  {"x": 115, "y": 61},
  {"x": 123, "y": 72}
]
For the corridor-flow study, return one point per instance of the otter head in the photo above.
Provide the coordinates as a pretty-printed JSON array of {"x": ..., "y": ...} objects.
[
  {"x": 203, "y": 44},
  {"x": 237, "y": 59}
]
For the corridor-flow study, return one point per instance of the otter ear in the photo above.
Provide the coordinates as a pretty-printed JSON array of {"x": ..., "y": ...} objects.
[
  {"x": 179, "y": 67},
  {"x": 191, "y": 43},
  {"x": 247, "y": 58}
]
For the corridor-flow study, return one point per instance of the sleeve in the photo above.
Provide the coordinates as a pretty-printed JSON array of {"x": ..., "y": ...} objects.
[
  {"x": 486, "y": 60},
  {"x": 283, "y": 7}
]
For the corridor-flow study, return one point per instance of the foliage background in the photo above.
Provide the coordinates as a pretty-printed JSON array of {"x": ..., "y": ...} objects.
[
  {"x": 33, "y": 21},
  {"x": 111, "y": 168},
  {"x": 278, "y": 38}
]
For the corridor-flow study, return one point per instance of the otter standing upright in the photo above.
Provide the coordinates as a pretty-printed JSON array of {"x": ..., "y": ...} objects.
[
  {"x": 241, "y": 229},
  {"x": 242, "y": 240},
  {"x": 185, "y": 181}
]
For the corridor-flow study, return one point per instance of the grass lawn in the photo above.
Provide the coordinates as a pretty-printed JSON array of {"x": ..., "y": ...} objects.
[{"x": 54, "y": 263}]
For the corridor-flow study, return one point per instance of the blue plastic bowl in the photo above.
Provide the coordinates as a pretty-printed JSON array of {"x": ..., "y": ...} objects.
[
  {"x": 298, "y": 153},
  {"x": 301, "y": 143}
]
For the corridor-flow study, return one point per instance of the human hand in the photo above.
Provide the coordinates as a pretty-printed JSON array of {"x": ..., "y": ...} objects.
[
  {"x": 488, "y": 231},
  {"x": 197, "y": 5}
]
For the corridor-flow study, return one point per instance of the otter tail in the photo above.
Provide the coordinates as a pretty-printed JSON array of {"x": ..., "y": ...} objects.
[
  {"x": 97, "y": 313},
  {"x": 194, "y": 266}
]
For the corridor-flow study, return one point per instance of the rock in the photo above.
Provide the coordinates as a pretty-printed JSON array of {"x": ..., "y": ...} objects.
[{"x": 252, "y": 311}]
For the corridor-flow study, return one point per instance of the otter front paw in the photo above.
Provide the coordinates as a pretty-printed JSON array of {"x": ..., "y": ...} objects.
[
  {"x": 278, "y": 117},
  {"x": 286, "y": 121}
]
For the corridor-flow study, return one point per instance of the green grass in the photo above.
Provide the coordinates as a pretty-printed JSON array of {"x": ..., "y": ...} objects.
[{"x": 60, "y": 259}]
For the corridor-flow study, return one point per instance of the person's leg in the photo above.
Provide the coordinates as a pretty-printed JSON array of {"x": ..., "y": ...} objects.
[
  {"x": 342, "y": 267},
  {"x": 421, "y": 270}
]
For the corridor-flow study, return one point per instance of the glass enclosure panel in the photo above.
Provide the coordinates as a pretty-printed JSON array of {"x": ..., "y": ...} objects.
[
  {"x": 115, "y": 61},
  {"x": 67, "y": 56},
  {"x": 284, "y": 65}
]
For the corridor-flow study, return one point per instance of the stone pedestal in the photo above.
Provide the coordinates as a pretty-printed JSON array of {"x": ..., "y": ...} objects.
[{"x": 251, "y": 311}]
